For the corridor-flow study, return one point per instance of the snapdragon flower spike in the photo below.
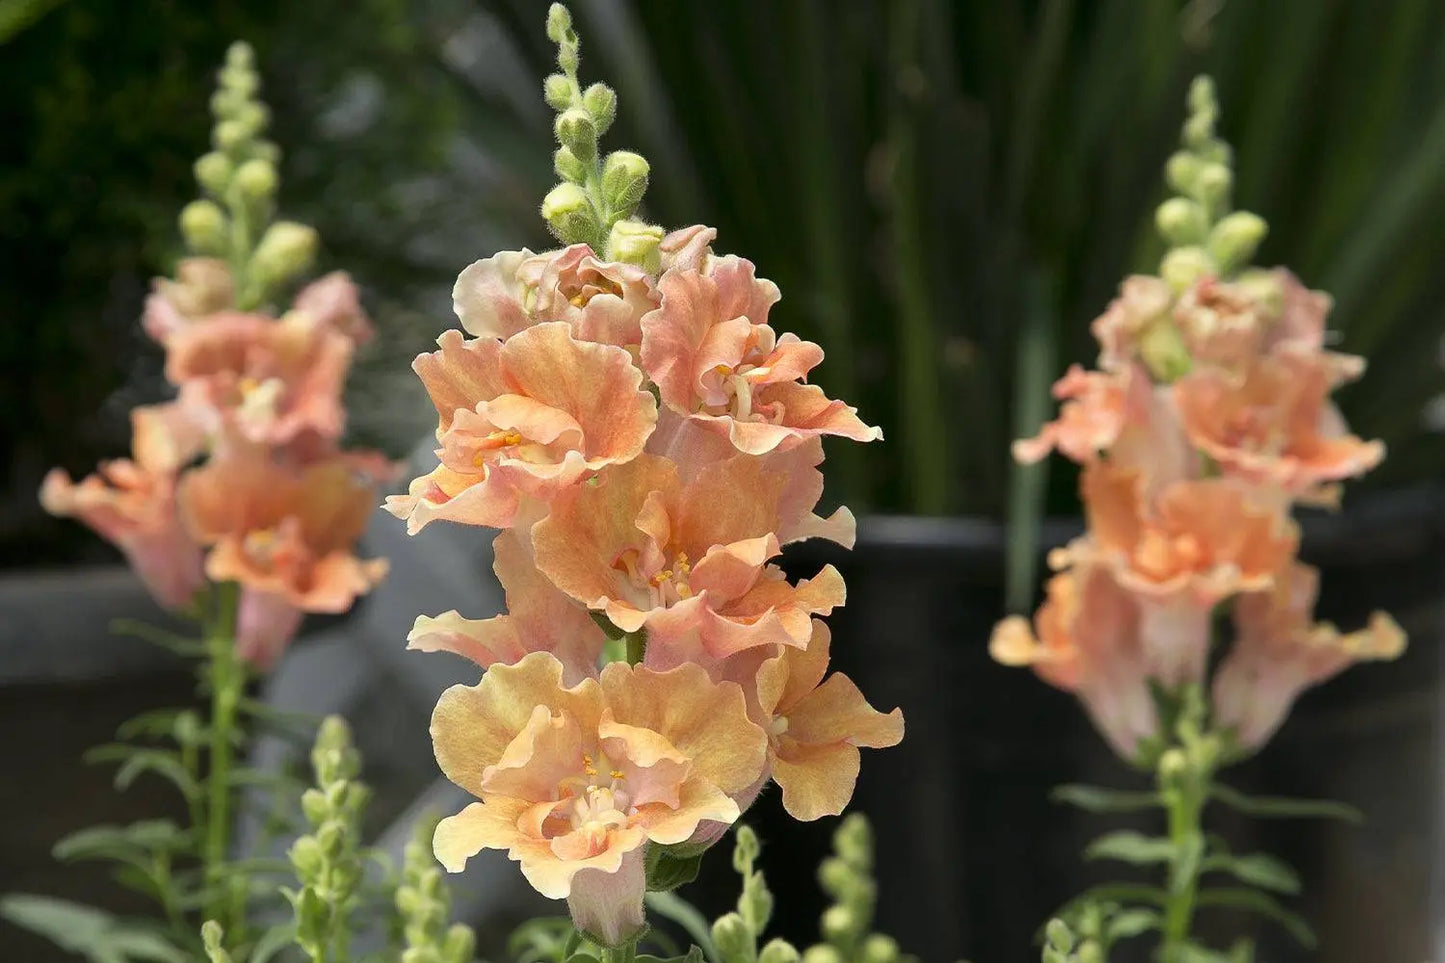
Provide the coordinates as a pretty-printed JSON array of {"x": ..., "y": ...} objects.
[
  {"x": 575, "y": 782},
  {"x": 132, "y": 503},
  {"x": 287, "y": 535},
  {"x": 688, "y": 562},
  {"x": 715, "y": 359},
  {"x": 1279, "y": 651},
  {"x": 520, "y": 419}
]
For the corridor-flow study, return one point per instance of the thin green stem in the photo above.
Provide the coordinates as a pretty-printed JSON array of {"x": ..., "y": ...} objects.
[
  {"x": 625, "y": 953},
  {"x": 1185, "y": 806},
  {"x": 684, "y": 914},
  {"x": 227, "y": 679}
]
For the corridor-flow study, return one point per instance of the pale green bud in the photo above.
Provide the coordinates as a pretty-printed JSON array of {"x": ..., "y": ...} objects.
[
  {"x": 601, "y": 102},
  {"x": 1235, "y": 238},
  {"x": 229, "y": 135},
  {"x": 240, "y": 56},
  {"x": 569, "y": 213},
  {"x": 1182, "y": 172},
  {"x": 880, "y": 948},
  {"x": 567, "y": 57},
  {"x": 634, "y": 242},
  {"x": 332, "y": 837},
  {"x": 557, "y": 91},
  {"x": 286, "y": 250},
  {"x": 460, "y": 944},
  {"x": 306, "y": 856},
  {"x": 559, "y": 23},
  {"x": 569, "y": 166},
  {"x": 408, "y": 900},
  {"x": 1090, "y": 952},
  {"x": 822, "y": 953},
  {"x": 188, "y": 729},
  {"x": 576, "y": 131},
  {"x": 733, "y": 939},
  {"x": 256, "y": 179},
  {"x": 624, "y": 180},
  {"x": 854, "y": 840},
  {"x": 314, "y": 805},
  {"x": 1173, "y": 764},
  {"x": 778, "y": 951},
  {"x": 225, "y": 103},
  {"x": 756, "y": 904},
  {"x": 1213, "y": 184},
  {"x": 746, "y": 848},
  {"x": 1264, "y": 289},
  {"x": 254, "y": 117},
  {"x": 836, "y": 877},
  {"x": 1164, "y": 352},
  {"x": 1058, "y": 935},
  {"x": 313, "y": 917},
  {"x": 242, "y": 82},
  {"x": 1181, "y": 221},
  {"x": 1183, "y": 266},
  {"x": 213, "y": 172},
  {"x": 212, "y": 936},
  {"x": 839, "y": 924},
  {"x": 203, "y": 225},
  {"x": 266, "y": 151}
]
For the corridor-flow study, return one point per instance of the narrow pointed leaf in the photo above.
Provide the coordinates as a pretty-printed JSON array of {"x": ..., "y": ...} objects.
[
  {"x": 1097, "y": 799},
  {"x": 1128, "y": 846},
  {"x": 1262, "y": 903},
  {"x": 1280, "y": 807}
]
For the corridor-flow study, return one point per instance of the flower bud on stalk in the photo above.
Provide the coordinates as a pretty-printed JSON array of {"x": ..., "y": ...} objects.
[
  {"x": 203, "y": 225},
  {"x": 624, "y": 181},
  {"x": 1235, "y": 238},
  {"x": 285, "y": 251}
]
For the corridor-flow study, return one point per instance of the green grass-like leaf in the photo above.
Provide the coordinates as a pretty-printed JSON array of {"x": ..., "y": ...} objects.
[
  {"x": 1256, "y": 869},
  {"x": 94, "y": 934},
  {"x": 1281, "y": 807},
  {"x": 1252, "y": 900},
  {"x": 1127, "y": 846},
  {"x": 1097, "y": 799}
]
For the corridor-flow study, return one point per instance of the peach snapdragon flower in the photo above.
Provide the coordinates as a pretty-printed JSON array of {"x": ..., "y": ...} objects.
[
  {"x": 1143, "y": 301},
  {"x": 132, "y": 503},
  {"x": 523, "y": 418},
  {"x": 716, "y": 360},
  {"x": 575, "y": 782},
  {"x": 1279, "y": 651},
  {"x": 268, "y": 381},
  {"x": 687, "y": 561},
  {"x": 1086, "y": 639},
  {"x": 601, "y": 301},
  {"x": 287, "y": 535},
  {"x": 815, "y": 727},
  {"x": 539, "y": 618},
  {"x": 203, "y": 286}
]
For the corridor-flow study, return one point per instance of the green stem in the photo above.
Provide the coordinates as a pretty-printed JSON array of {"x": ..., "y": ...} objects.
[
  {"x": 626, "y": 953},
  {"x": 684, "y": 914},
  {"x": 1185, "y": 804},
  {"x": 227, "y": 679}
]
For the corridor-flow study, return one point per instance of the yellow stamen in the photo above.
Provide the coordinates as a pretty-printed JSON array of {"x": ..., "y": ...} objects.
[
  {"x": 587, "y": 765},
  {"x": 657, "y": 580},
  {"x": 248, "y": 385},
  {"x": 617, "y": 774}
]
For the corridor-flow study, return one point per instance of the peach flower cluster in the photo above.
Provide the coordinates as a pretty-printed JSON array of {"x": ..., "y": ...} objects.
[
  {"x": 648, "y": 444},
  {"x": 1207, "y": 419},
  {"x": 240, "y": 478}
]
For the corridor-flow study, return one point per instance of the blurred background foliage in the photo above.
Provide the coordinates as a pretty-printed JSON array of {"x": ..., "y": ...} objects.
[{"x": 946, "y": 192}]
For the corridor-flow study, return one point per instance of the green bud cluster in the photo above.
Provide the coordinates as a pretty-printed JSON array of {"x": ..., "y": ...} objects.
[
  {"x": 239, "y": 180},
  {"x": 847, "y": 925},
  {"x": 424, "y": 904},
  {"x": 1204, "y": 235},
  {"x": 597, "y": 196},
  {"x": 328, "y": 860},
  {"x": 736, "y": 934},
  {"x": 1063, "y": 945}
]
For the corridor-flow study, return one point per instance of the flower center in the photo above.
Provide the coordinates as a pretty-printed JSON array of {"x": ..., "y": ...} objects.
[
  {"x": 670, "y": 584},
  {"x": 494, "y": 443},
  {"x": 593, "y": 287},
  {"x": 1161, "y": 555},
  {"x": 600, "y": 800}
]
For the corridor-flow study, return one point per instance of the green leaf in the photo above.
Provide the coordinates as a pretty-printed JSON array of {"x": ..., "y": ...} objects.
[
  {"x": 1280, "y": 807},
  {"x": 1130, "y": 923},
  {"x": 1127, "y": 846},
  {"x": 667, "y": 872},
  {"x": 169, "y": 641},
  {"x": 1097, "y": 799},
  {"x": 94, "y": 934},
  {"x": 273, "y": 941},
  {"x": 136, "y": 760},
  {"x": 125, "y": 843},
  {"x": 1256, "y": 869},
  {"x": 1262, "y": 903}
]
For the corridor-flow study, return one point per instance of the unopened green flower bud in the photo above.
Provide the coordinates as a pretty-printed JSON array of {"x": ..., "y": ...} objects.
[
  {"x": 1182, "y": 172},
  {"x": 778, "y": 951},
  {"x": 286, "y": 250},
  {"x": 569, "y": 166},
  {"x": 746, "y": 848},
  {"x": 756, "y": 904},
  {"x": 332, "y": 837},
  {"x": 213, "y": 172},
  {"x": 1235, "y": 238},
  {"x": 253, "y": 116},
  {"x": 240, "y": 56},
  {"x": 557, "y": 91},
  {"x": 880, "y": 948},
  {"x": 733, "y": 938},
  {"x": 577, "y": 132},
  {"x": 229, "y": 135},
  {"x": 306, "y": 856},
  {"x": 839, "y": 924},
  {"x": 225, "y": 103},
  {"x": 313, "y": 805},
  {"x": 836, "y": 877},
  {"x": 559, "y": 23},
  {"x": 1058, "y": 935},
  {"x": 1164, "y": 351},
  {"x": 460, "y": 944},
  {"x": 256, "y": 179},
  {"x": 634, "y": 242},
  {"x": 1173, "y": 764},
  {"x": 408, "y": 900},
  {"x": 624, "y": 180},
  {"x": 203, "y": 225},
  {"x": 601, "y": 102},
  {"x": 187, "y": 728},
  {"x": 1090, "y": 952},
  {"x": 1213, "y": 184},
  {"x": 822, "y": 953},
  {"x": 854, "y": 841},
  {"x": 241, "y": 82},
  {"x": 569, "y": 213},
  {"x": 1183, "y": 266},
  {"x": 1181, "y": 221},
  {"x": 212, "y": 937}
]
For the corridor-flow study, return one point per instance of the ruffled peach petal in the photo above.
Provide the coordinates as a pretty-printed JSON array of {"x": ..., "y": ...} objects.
[
  {"x": 490, "y": 825},
  {"x": 485, "y": 499},
  {"x": 698, "y": 801},
  {"x": 483, "y": 641},
  {"x": 460, "y": 374},
  {"x": 547, "y": 750},
  {"x": 166, "y": 437},
  {"x": 1142, "y": 300},
  {"x": 333, "y": 300},
  {"x": 730, "y": 571},
  {"x": 687, "y": 249},
  {"x": 608, "y": 903},
  {"x": 487, "y": 297},
  {"x": 836, "y": 711},
  {"x": 817, "y": 780}
]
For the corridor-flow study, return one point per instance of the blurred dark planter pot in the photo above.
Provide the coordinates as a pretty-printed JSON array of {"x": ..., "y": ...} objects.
[{"x": 972, "y": 857}]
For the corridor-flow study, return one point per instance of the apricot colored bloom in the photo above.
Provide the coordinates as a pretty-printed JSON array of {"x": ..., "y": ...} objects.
[
  {"x": 511, "y": 291},
  {"x": 816, "y": 726},
  {"x": 132, "y": 503},
  {"x": 687, "y": 248},
  {"x": 527, "y": 417},
  {"x": 287, "y": 536},
  {"x": 1275, "y": 425},
  {"x": 539, "y": 618},
  {"x": 267, "y": 381},
  {"x": 686, "y": 561},
  {"x": 714, "y": 359},
  {"x": 1085, "y": 639},
  {"x": 1143, "y": 301},
  {"x": 334, "y": 301},
  {"x": 1279, "y": 651},
  {"x": 203, "y": 286},
  {"x": 575, "y": 782}
]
